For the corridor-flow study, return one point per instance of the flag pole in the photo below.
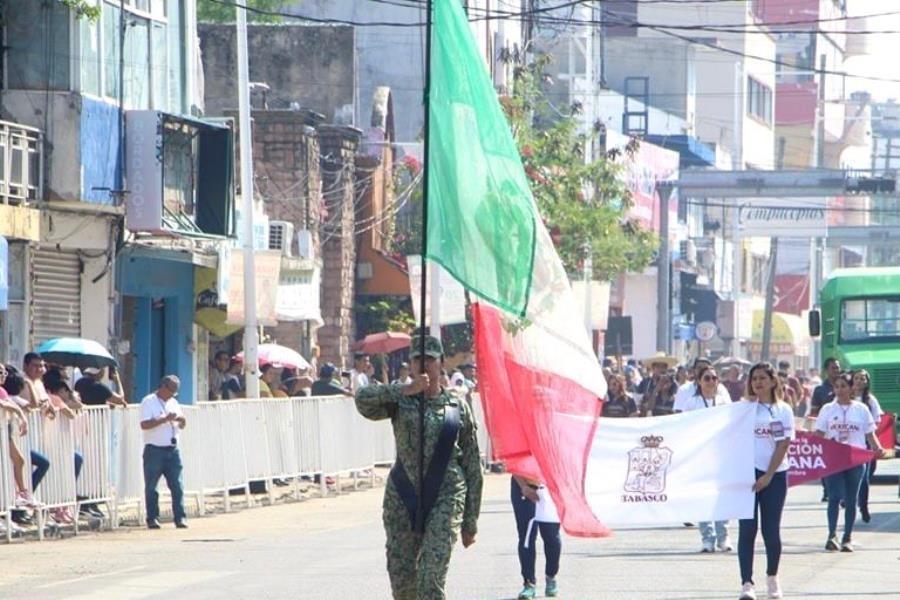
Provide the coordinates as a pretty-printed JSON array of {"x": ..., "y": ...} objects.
[{"x": 420, "y": 487}]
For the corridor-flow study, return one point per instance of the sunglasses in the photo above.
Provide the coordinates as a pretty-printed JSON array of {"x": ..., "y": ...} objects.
[{"x": 710, "y": 378}]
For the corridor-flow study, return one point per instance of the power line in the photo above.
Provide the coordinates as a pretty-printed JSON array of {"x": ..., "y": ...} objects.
[{"x": 665, "y": 30}]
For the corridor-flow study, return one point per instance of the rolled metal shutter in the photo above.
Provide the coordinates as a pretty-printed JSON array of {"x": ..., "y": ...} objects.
[{"x": 56, "y": 294}]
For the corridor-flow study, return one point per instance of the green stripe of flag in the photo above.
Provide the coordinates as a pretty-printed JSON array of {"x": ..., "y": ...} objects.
[{"x": 481, "y": 219}]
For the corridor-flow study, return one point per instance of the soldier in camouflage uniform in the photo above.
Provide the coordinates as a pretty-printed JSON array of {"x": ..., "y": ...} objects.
[{"x": 417, "y": 562}]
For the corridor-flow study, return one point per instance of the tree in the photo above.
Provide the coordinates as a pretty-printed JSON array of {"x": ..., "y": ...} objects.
[
  {"x": 83, "y": 9},
  {"x": 584, "y": 203},
  {"x": 222, "y": 11}
]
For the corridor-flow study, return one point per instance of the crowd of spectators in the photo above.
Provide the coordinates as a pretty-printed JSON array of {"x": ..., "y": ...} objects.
[
  {"x": 659, "y": 385},
  {"x": 47, "y": 390}
]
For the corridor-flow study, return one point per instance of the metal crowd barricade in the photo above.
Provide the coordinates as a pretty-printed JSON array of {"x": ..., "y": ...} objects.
[
  {"x": 54, "y": 439},
  {"x": 127, "y": 458},
  {"x": 224, "y": 446},
  {"x": 306, "y": 426},
  {"x": 91, "y": 430}
]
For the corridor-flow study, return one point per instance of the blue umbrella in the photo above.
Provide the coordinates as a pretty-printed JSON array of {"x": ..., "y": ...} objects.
[{"x": 76, "y": 352}]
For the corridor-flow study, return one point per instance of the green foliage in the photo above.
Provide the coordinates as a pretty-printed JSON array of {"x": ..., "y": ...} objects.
[
  {"x": 219, "y": 12},
  {"x": 82, "y": 9},
  {"x": 583, "y": 202},
  {"x": 383, "y": 313}
]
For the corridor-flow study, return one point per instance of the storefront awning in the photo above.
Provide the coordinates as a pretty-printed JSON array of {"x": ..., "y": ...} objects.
[{"x": 789, "y": 334}]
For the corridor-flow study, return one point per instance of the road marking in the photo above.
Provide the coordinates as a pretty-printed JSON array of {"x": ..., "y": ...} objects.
[{"x": 87, "y": 577}]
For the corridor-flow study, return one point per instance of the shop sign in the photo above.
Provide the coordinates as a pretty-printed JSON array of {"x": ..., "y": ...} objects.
[
  {"x": 298, "y": 297},
  {"x": 268, "y": 270}
]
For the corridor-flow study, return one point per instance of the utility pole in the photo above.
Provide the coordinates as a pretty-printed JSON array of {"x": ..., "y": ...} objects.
[
  {"x": 251, "y": 329},
  {"x": 765, "y": 353},
  {"x": 816, "y": 250},
  {"x": 588, "y": 277},
  {"x": 663, "y": 283},
  {"x": 770, "y": 300}
]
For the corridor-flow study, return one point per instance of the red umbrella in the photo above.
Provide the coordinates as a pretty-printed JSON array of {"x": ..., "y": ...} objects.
[{"x": 384, "y": 342}]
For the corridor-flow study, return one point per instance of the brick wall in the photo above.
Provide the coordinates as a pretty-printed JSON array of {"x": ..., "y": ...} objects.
[
  {"x": 286, "y": 166},
  {"x": 338, "y": 146}
]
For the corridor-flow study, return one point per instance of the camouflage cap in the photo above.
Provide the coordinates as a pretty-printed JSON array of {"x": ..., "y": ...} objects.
[{"x": 433, "y": 347}]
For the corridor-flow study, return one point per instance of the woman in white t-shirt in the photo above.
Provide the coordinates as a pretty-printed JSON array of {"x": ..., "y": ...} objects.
[
  {"x": 706, "y": 395},
  {"x": 847, "y": 421},
  {"x": 772, "y": 434},
  {"x": 861, "y": 383}
]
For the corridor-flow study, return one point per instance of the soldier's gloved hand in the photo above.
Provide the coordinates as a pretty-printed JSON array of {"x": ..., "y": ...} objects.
[
  {"x": 467, "y": 539},
  {"x": 419, "y": 384}
]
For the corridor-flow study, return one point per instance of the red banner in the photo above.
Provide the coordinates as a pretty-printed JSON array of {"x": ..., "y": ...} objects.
[
  {"x": 884, "y": 431},
  {"x": 812, "y": 457}
]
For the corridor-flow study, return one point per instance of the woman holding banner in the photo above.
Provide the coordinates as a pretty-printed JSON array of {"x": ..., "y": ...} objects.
[
  {"x": 772, "y": 434},
  {"x": 847, "y": 421},
  {"x": 705, "y": 394},
  {"x": 861, "y": 384}
]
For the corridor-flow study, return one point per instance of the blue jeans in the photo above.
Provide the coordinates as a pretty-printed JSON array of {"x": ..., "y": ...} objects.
[
  {"x": 40, "y": 465},
  {"x": 767, "y": 511},
  {"x": 864, "y": 486},
  {"x": 524, "y": 510},
  {"x": 163, "y": 462},
  {"x": 843, "y": 486},
  {"x": 711, "y": 531},
  {"x": 79, "y": 461}
]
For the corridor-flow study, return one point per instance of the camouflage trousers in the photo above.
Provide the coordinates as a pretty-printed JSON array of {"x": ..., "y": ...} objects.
[{"x": 417, "y": 564}]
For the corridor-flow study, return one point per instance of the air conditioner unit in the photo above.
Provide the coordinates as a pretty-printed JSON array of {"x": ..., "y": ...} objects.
[
  {"x": 281, "y": 234},
  {"x": 305, "y": 248}
]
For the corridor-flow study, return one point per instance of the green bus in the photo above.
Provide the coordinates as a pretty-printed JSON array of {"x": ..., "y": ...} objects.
[{"x": 859, "y": 321}]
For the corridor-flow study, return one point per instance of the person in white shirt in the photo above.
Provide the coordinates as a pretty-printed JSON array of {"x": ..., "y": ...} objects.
[
  {"x": 161, "y": 421},
  {"x": 706, "y": 395},
  {"x": 772, "y": 434},
  {"x": 359, "y": 375},
  {"x": 688, "y": 390},
  {"x": 861, "y": 384},
  {"x": 847, "y": 421}
]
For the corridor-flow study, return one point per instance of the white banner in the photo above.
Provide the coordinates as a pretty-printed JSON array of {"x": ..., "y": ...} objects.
[
  {"x": 688, "y": 467},
  {"x": 453, "y": 296}
]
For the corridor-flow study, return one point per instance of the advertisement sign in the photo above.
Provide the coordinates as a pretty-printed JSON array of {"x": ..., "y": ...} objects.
[
  {"x": 143, "y": 160},
  {"x": 599, "y": 302},
  {"x": 772, "y": 217},
  {"x": 268, "y": 270},
  {"x": 298, "y": 297},
  {"x": 643, "y": 170},
  {"x": 453, "y": 296}
]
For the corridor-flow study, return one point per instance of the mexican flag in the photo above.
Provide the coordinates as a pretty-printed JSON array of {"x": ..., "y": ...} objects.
[{"x": 540, "y": 380}]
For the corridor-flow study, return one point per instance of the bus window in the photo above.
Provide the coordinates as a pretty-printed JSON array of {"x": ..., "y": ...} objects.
[{"x": 870, "y": 319}]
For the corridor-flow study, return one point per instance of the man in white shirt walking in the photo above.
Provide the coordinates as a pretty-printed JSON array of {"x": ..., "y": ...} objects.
[{"x": 161, "y": 421}]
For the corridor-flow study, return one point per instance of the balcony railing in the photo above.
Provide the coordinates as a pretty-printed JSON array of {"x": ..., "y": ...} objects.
[{"x": 21, "y": 163}]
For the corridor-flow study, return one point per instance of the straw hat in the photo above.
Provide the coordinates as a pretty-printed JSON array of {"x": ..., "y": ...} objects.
[{"x": 660, "y": 357}]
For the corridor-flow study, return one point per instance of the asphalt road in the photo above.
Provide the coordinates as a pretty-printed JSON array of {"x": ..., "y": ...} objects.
[{"x": 333, "y": 549}]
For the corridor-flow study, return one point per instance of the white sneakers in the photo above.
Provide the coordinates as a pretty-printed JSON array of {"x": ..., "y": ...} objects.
[
  {"x": 748, "y": 592},
  {"x": 774, "y": 588},
  {"x": 724, "y": 545},
  {"x": 707, "y": 547}
]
